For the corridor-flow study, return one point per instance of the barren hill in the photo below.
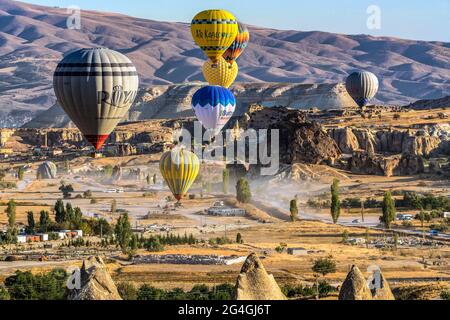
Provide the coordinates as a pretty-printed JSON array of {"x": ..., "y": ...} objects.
[
  {"x": 34, "y": 38},
  {"x": 174, "y": 101}
]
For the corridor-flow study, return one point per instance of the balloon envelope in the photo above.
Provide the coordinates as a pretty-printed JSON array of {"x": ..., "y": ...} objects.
[
  {"x": 362, "y": 87},
  {"x": 239, "y": 44},
  {"x": 214, "y": 31},
  {"x": 214, "y": 106},
  {"x": 96, "y": 88},
  {"x": 220, "y": 74},
  {"x": 179, "y": 168}
]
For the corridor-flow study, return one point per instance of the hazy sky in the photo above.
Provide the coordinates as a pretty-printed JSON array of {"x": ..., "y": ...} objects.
[{"x": 413, "y": 19}]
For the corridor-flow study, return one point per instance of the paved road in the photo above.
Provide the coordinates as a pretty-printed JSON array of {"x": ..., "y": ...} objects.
[{"x": 371, "y": 221}]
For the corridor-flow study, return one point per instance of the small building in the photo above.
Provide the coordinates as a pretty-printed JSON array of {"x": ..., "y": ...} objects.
[
  {"x": 61, "y": 235},
  {"x": 219, "y": 209},
  {"x": 356, "y": 241},
  {"x": 297, "y": 251},
  {"x": 79, "y": 233},
  {"x": 33, "y": 238},
  {"x": 21, "y": 239},
  {"x": 405, "y": 217},
  {"x": 446, "y": 215},
  {"x": 56, "y": 152},
  {"x": 43, "y": 237}
]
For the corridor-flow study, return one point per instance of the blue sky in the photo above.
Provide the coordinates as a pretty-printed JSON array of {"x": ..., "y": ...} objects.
[{"x": 413, "y": 19}]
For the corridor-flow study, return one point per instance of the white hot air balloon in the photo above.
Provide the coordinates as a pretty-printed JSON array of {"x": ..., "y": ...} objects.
[
  {"x": 362, "y": 87},
  {"x": 96, "y": 88},
  {"x": 214, "y": 106}
]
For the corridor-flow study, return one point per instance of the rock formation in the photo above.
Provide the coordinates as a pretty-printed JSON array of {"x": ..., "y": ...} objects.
[
  {"x": 423, "y": 142},
  {"x": 355, "y": 287},
  {"x": 47, "y": 170},
  {"x": 254, "y": 283},
  {"x": 96, "y": 283},
  {"x": 362, "y": 162},
  {"x": 300, "y": 140}
]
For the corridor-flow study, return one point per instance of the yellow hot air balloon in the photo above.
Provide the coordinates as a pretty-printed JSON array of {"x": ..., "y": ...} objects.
[
  {"x": 214, "y": 31},
  {"x": 221, "y": 74},
  {"x": 179, "y": 168}
]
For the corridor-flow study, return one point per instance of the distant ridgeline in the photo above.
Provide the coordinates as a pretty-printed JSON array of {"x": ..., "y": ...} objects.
[{"x": 174, "y": 101}]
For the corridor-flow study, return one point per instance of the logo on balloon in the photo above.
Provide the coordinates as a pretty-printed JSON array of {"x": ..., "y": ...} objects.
[{"x": 118, "y": 98}]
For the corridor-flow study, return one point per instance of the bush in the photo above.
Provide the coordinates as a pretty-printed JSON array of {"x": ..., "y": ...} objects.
[
  {"x": 439, "y": 227},
  {"x": 445, "y": 295},
  {"x": 127, "y": 291},
  {"x": 47, "y": 286},
  {"x": 324, "y": 266}
]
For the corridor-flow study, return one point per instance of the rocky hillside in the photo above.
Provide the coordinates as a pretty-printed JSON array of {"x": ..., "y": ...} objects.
[
  {"x": 34, "y": 38},
  {"x": 174, "y": 101}
]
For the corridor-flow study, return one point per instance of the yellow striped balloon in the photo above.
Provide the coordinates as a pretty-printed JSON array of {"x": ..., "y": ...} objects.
[
  {"x": 221, "y": 74},
  {"x": 179, "y": 168},
  {"x": 214, "y": 31}
]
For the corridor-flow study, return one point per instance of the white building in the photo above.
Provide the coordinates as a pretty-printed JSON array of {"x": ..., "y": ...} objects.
[
  {"x": 21, "y": 239},
  {"x": 297, "y": 251},
  {"x": 43, "y": 236},
  {"x": 446, "y": 215}
]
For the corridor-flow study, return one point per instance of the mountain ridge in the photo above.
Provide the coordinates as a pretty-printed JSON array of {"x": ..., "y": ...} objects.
[{"x": 34, "y": 38}]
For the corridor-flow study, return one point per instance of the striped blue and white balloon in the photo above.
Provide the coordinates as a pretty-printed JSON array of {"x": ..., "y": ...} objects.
[
  {"x": 362, "y": 87},
  {"x": 214, "y": 106}
]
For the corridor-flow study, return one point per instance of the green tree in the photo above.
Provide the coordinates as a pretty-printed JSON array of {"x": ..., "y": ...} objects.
[
  {"x": 243, "y": 193},
  {"x": 77, "y": 218},
  {"x": 70, "y": 213},
  {"x": 323, "y": 266},
  {"x": 60, "y": 212},
  {"x": 11, "y": 213},
  {"x": 4, "y": 294},
  {"x": 133, "y": 245},
  {"x": 335, "y": 202},
  {"x": 31, "y": 223},
  {"x": 388, "y": 210},
  {"x": 155, "y": 178},
  {"x": 66, "y": 190},
  {"x": 44, "y": 221},
  {"x": 294, "y": 210},
  {"x": 20, "y": 173},
  {"x": 149, "y": 179},
  {"x": 47, "y": 286},
  {"x": 123, "y": 232},
  {"x": 108, "y": 171},
  {"x": 239, "y": 238},
  {"x": 225, "y": 180}
]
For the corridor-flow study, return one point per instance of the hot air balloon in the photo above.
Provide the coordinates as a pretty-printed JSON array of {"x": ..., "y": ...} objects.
[
  {"x": 239, "y": 44},
  {"x": 222, "y": 74},
  {"x": 362, "y": 87},
  {"x": 214, "y": 107},
  {"x": 214, "y": 31},
  {"x": 179, "y": 168},
  {"x": 96, "y": 87}
]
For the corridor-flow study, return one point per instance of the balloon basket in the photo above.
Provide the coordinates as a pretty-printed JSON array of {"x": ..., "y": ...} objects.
[{"x": 96, "y": 155}]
